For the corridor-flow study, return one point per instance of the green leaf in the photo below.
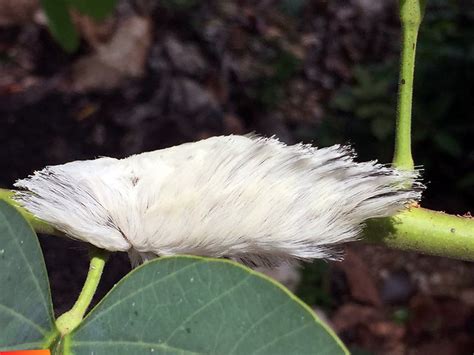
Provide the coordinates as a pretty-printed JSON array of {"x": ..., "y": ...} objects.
[
  {"x": 26, "y": 312},
  {"x": 97, "y": 9},
  {"x": 60, "y": 24},
  {"x": 193, "y": 305}
]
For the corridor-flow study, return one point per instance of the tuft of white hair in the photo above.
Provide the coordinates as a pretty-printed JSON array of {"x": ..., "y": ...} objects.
[{"x": 251, "y": 199}]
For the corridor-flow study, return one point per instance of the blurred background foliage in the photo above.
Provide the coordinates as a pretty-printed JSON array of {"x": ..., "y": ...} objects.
[{"x": 60, "y": 21}]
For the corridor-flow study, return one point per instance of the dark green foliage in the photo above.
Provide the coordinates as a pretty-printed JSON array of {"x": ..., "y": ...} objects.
[
  {"x": 26, "y": 312},
  {"x": 371, "y": 100},
  {"x": 60, "y": 22},
  {"x": 268, "y": 90},
  {"x": 401, "y": 316},
  {"x": 97, "y": 9}
]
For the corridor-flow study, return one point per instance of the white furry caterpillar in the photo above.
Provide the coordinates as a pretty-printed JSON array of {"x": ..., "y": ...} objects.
[{"x": 251, "y": 199}]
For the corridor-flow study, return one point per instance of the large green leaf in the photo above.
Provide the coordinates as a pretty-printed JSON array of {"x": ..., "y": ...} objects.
[
  {"x": 192, "y": 305},
  {"x": 60, "y": 24},
  {"x": 26, "y": 313}
]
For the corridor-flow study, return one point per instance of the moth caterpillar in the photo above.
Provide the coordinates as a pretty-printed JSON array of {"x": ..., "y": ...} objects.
[{"x": 252, "y": 199}]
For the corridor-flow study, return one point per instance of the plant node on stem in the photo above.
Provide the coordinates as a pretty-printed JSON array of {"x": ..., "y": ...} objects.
[
  {"x": 425, "y": 231},
  {"x": 418, "y": 229}
]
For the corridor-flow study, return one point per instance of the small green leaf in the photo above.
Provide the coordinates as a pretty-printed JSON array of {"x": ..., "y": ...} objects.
[
  {"x": 97, "y": 9},
  {"x": 192, "y": 305},
  {"x": 60, "y": 24},
  {"x": 26, "y": 312}
]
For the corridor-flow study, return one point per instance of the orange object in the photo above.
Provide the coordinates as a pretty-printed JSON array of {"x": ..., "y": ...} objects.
[{"x": 26, "y": 352}]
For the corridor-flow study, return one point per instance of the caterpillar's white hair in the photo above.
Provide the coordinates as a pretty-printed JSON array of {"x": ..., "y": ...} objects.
[{"x": 247, "y": 198}]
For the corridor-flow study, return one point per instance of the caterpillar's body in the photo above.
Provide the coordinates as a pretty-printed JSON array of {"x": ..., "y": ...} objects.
[{"x": 253, "y": 199}]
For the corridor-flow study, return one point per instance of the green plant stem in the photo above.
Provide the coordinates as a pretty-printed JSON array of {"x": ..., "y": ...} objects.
[
  {"x": 411, "y": 15},
  {"x": 425, "y": 231},
  {"x": 68, "y": 321},
  {"x": 38, "y": 225}
]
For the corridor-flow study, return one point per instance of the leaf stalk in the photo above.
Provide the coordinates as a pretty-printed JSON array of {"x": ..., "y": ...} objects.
[{"x": 69, "y": 320}]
